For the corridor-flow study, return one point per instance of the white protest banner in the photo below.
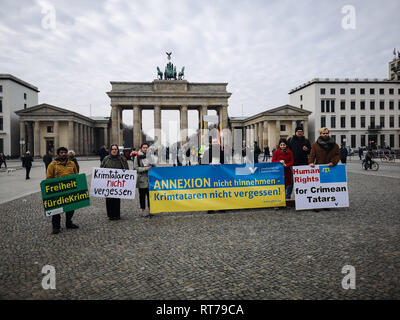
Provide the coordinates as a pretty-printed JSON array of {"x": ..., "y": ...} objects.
[
  {"x": 320, "y": 187},
  {"x": 113, "y": 183}
]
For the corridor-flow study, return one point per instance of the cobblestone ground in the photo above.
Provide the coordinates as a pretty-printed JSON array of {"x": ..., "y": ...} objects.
[{"x": 250, "y": 254}]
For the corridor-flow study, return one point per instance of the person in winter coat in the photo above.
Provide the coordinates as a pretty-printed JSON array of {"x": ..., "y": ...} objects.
[
  {"x": 300, "y": 147},
  {"x": 285, "y": 156},
  {"x": 142, "y": 165},
  {"x": 360, "y": 152},
  {"x": 115, "y": 161},
  {"x": 27, "y": 163},
  {"x": 324, "y": 150},
  {"x": 3, "y": 159},
  {"x": 343, "y": 154},
  {"x": 61, "y": 166},
  {"x": 71, "y": 156},
  {"x": 257, "y": 152},
  {"x": 266, "y": 153},
  {"x": 103, "y": 153},
  {"x": 47, "y": 159}
]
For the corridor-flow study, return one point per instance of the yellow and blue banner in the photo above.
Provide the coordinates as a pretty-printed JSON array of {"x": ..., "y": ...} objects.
[{"x": 216, "y": 187}]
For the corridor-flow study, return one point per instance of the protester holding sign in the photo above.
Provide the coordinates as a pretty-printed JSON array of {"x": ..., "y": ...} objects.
[
  {"x": 300, "y": 146},
  {"x": 285, "y": 156},
  {"x": 61, "y": 167},
  {"x": 325, "y": 150},
  {"x": 142, "y": 166},
  {"x": 115, "y": 161}
]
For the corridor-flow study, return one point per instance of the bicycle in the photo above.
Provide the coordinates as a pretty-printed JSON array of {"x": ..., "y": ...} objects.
[{"x": 373, "y": 166}]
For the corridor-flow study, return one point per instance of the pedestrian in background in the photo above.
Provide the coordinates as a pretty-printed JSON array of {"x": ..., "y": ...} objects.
[
  {"x": 2, "y": 160},
  {"x": 300, "y": 147},
  {"x": 360, "y": 152},
  {"x": 257, "y": 152},
  {"x": 62, "y": 166},
  {"x": 114, "y": 161},
  {"x": 47, "y": 159},
  {"x": 142, "y": 165},
  {"x": 343, "y": 154},
  {"x": 285, "y": 156},
  {"x": 71, "y": 156},
  {"x": 27, "y": 163},
  {"x": 266, "y": 154},
  {"x": 103, "y": 153}
]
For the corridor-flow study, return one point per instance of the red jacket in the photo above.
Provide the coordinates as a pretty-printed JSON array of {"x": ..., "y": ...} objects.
[{"x": 288, "y": 157}]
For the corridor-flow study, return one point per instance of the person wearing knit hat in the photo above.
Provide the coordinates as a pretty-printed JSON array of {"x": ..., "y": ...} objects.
[{"x": 300, "y": 147}]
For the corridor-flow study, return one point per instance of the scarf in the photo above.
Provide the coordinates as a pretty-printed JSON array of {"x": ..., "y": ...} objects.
[
  {"x": 327, "y": 145},
  {"x": 63, "y": 161}
]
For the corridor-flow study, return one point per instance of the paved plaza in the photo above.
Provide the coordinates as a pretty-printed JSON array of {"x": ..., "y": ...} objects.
[{"x": 243, "y": 254}]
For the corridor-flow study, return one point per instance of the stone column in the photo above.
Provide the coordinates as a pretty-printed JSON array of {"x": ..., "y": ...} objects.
[
  {"x": 120, "y": 130},
  {"x": 247, "y": 135},
  {"x": 271, "y": 136},
  {"x": 56, "y": 135},
  {"x": 293, "y": 127},
  {"x": 157, "y": 125},
  {"x": 36, "y": 142},
  {"x": 278, "y": 130},
  {"x": 29, "y": 145},
  {"x": 85, "y": 139},
  {"x": 265, "y": 134},
  {"x": 71, "y": 135},
  {"x": 137, "y": 127},
  {"x": 252, "y": 134},
  {"x": 22, "y": 134},
  {"x": 184, "y": 124},
  {"x": 106, "y": 137},
  {"x": 202, "y": 112},
  {"x": 91, "y": 139},
  {"x": 114, "y": 124},
  {"x": 305, "y": 128},
  {"x": 76, "y": 137},
  {"x": 81, "y": 139},
  {"x": 225, "y": 125}
]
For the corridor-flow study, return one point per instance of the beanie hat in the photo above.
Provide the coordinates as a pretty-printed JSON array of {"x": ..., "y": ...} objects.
[
  {"x": 298, "y": 128},
  {"x": 61, "y": 149}
]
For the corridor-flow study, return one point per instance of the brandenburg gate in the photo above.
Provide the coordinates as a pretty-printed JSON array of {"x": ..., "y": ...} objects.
[{"x": 165, "y": 95}]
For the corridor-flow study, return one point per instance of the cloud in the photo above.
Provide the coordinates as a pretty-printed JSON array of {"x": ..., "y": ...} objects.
[{"x": 263, "y": 49}]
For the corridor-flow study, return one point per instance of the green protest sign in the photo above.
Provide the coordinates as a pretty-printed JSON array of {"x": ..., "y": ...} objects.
[{"x": 64, "y": 194}]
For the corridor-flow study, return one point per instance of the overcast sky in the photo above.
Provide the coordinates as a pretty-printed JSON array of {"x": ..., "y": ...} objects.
[{"x": 262, "y": 49}]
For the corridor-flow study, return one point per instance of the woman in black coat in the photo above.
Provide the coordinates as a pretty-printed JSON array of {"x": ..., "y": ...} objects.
[{"x": 27, "y": 163}]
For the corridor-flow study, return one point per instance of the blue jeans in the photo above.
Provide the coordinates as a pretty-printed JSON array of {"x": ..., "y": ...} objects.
[{"x": 288, "y": 191}]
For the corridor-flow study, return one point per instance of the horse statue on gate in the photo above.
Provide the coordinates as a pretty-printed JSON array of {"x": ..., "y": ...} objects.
[
  {"x": 159, "y": 73},
  {"x": 170, "y": 71},
  {"x": 181, "y": 74}
]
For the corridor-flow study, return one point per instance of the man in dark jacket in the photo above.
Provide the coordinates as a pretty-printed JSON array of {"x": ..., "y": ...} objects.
[
  {"x": 27, "y": 163},
  {"x": 343, "y": 153},
  {"x": 257, "y": 152},
  {"x": 360, "y": 152},
  {"x": 300, "y": 147},
  {"x": 48, "y": 158},
  {"x": 3, "y": 159}
]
